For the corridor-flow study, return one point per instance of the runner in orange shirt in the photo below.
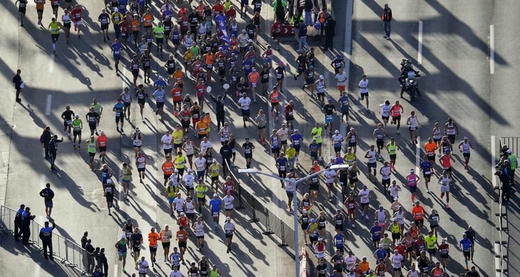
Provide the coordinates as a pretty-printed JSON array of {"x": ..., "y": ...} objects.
[
  {"x": 182, "y": 238},
  {"x": 40, "y": 4},
  {"x": 102, "y": 142},
  {"x": 418, "y": 214},
  {"x": 253, "y": 77},
  {"x": 153, "y": 237},
  {"x": 135, "y": 27},
  {"x": 148, "y": 21},
  {"x": 429, "y": 148}
]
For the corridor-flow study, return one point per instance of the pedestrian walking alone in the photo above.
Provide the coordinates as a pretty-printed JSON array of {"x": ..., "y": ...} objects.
[
  {"x": 48, "y": 194},
  {"x": 18, "y": 83},
  {"x": 46, "y": 237},
  {"x": 387, "y": 19}
]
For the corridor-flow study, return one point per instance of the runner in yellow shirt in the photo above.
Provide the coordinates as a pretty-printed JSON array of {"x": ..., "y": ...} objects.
[{"x": 54, "y": 28}]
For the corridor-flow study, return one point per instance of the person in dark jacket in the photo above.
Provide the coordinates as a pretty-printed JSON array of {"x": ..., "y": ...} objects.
[
  {"x": 330, "y": 28},
  {"x": 44, "y": 140},
  {"x": 18, "y": 85},
  {"x": 53, "y": 150},
  {"x": 26, "y": 225},
  {"x": 18, "y": 222}
]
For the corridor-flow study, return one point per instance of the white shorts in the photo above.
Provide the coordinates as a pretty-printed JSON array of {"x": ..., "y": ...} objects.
[
  {"x": 445, "y": 188},
  {"x": 78, "y": 23}
]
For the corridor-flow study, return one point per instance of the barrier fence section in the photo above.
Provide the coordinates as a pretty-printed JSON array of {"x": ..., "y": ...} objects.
[
  {"x": 260, "y": 213},
  {"x": 501, "y": 242},
  {"x": 65, "y": 250}
]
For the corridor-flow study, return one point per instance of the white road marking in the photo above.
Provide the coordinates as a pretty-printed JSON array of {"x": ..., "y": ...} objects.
[
  {"x": 417, "y": 154},
  {"x": 48, "y": 105},
  {"x": 420, "y": 43},
  {"x": 51, "y": 63},
  {"x": 43, "y": 180},
  {"x": 116, "y": 270},
  {"x": 493, "y": 160},
  {"x": 37, "y": 268},
  {"x": 492, "y": 49}
]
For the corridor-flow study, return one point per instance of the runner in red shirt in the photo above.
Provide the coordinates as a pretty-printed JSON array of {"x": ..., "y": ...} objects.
[{"x": 76, "y": 14}]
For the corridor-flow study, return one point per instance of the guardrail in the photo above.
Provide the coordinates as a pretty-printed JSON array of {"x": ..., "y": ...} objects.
[
  {"x": 68, "y": 252},
  {"x": 500, "y": 246},
  {"x": 260, "y": 213}
]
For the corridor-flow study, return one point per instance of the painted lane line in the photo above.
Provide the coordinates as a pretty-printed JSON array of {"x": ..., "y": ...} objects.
[
  {"x": 417, "y": 154},
  {"x": 48, "y": 105},
  {"x": 51, "y": 63},
  {"x": 493, "y": 161},
  {"x": 420, "y": 43},
  {"x": 492, "y": 49},
  {"x": 37, "y": 269}
]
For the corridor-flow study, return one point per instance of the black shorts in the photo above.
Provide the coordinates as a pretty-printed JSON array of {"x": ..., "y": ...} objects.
[
  {"x": 396, "y": 118},
  {"x": 143, "y": 169},
  {"x": 380, "y": 143},
  {"x": 76, "y": 132},
  {"x": 160, "y": 105},
  {"x": 352, "y": 144},
  {"x": 159, "y": 40},
  {"x": 120, "y": 118},
  {"x": 166, "y": 245},
  {"x": 248, "y": 156},
  {"x": 314, "y": 186},
  {"x": 167, "y": 176},
  {"x": 55, "y": 37},
  {"x": 104, "y": 26},
  {"x": 102, "y": 149},
  {"x": 229, "y": 236},
  {"x": 185, "y": 124},
  {"x": 182, "y": 244},
  {"x": 190, "y": 216},
  {"x": 419, "y": 222},
  {"x": 466, "y": 155},
  {"x": 22, "y": 10},
  {"x": 90, "y": 154},
  {"x": 451, "y": 138},
  {"x": 396, "y": 236},
  {"x": 392, "y": 157},
  {"x": 385, "y": 118},
  {"x": 385, "y": 182},
  {"x": 127, "y": 104},
  {"x": 283, "y": 142},
  {"x": 246, "y": 113},
  {"x": 466, "y": 254},
  {"x": 431, "y": 158},
  {"x": 427, "y": 177}
]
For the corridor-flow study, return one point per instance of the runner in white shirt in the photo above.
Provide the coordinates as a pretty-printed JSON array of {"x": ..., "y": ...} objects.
[
  {"x": 224, "y": 133},
  {"x": 384, "y": 110},
  {"x": 179, "y": 203},
  {"x": 350, "y": 261},
  {"x": 371, "y": 155},
  {"x": 142, "y": 267},
  {"x": 283, "y": 134},
  {"x": 364, "y": 200},
  {"x": 229, "y": 229},
  {"x": 176, "y": 273},
  {"x": 290, "y": 188},
  {"x": 200, "y": 167},
  {"x": 413, "y": 125},
  {"x": 337, "y": 139},
  {"x": 330, "y": 177},
  {"x": 244, "y": 103},
  {"x": 205, "y": 144},
  {"x": 166, "y": 142},
  {"x": 341, "y": 81},
  {"x": 385, "y": 172},
  {"x": 188, "y": 180},
  {"x": 397, "y": 262},
  {"x": 228, "y": 203},
  {"x": 363, "y": 89},
  {"x": 198, "y": 229},
  {"x": 394, "y": 190}
]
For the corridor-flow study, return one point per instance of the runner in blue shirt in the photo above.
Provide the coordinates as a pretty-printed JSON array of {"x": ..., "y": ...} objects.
[
  {"x": 116, "y": 51},
  {"x": 426, "y": 167},
  {"x": 281, "y": 164},
  {"x": 118, "y": 110},
  {"x": 375, "y": 231},
  {"x": 215, "y": 205},
  {"x": 339, "y": 241},
  {"x": 380, "y": 253},
  {"x": 313, "y": 150},
  {"x": 297, "y": 141},
  {"x": 158, "y": 95},
  {"x": 465, "y": 244}
]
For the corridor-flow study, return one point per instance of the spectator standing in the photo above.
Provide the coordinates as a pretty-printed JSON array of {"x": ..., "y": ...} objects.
[
  {"x": 44, "y": 140},
  {"x": 329, "y": 27},
  {"x": 302, "y": 36},
  {"x": 47, "y": 195},
  {"x": 18, "y": 222},
  {"x": 46, "y": 237},
  {"x": 26, "y": 225},
  {"x": 387, "y": 19}
]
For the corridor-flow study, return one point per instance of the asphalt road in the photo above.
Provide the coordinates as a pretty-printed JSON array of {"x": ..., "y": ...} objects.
[{"x": 74, "y": 76}]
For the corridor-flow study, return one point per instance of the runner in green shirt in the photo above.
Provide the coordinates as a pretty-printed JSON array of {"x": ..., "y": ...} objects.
[
  {"x": 159, "y": 37},
  {"x": 77, "y": 126},
  {"x": 54, "y": 28}
]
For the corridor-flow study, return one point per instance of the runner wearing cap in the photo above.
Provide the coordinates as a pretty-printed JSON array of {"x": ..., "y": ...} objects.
[
  {"x": 229, "y": 229},
  {"x": 418, "y": 214}
]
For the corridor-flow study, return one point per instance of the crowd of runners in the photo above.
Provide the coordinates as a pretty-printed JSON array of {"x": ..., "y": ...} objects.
[{"x": 214, "y": 48}]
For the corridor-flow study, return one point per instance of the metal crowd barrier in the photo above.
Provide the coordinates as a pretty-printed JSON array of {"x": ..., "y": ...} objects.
[
  {"x": 68, "y": 252},
  {"x": 260, "y": 213}
]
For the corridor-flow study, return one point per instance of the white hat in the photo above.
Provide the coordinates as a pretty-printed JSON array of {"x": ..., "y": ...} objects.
[
  {"x": 336, "y": 132},
  {"x": 215, "y": 195},
  {"x": 109, "y": 181},
  {"x": 321, "y": 77},
  {"x": 123, "y": 236}
]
